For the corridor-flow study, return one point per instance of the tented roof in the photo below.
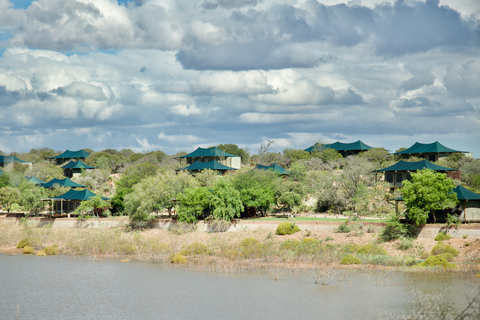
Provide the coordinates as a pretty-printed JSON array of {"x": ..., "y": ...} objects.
[
  {"x": 208, "y": 152},
  {"x": 421, "y": 148},
  {"x": 80, "y": 195},
  {"x": 72, "y": 154},
  {"x": 11, "y": 158},
  {"x": 77, "y": 165},
  {"x": 465, "y": 194},
  {"x": 213, "y": 165},
  {"x": 63, "y": 183},
  {"x": 414, "y": 166},
  {"x": 340, "y": 146},
  {"x": 35, "y": 180},
  {"x": 274, "y": 167}
]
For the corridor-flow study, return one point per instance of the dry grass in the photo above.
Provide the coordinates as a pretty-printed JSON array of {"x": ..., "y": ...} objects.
[{"x": 231, "y": 251}]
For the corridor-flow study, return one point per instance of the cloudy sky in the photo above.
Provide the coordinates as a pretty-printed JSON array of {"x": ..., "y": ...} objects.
[{"x": 174, "y": 75}]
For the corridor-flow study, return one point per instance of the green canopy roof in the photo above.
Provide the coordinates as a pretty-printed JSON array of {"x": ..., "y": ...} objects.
[
  {"x": 414, "y": 166},
  {"x": 213, "y": 165},
  {"x": 11, "y": 158},
  {"x": 77, "y": 165},
  {"x": 465, "y": 194},
  {"x": 72, "y": 154},
  {"x": 340, "y": 146},
  {"x": 208, "y": 152},
  {"x": 274, "y": 167},
  {"x": 421, "y": 148},
  {"x": 81, "y": 195},
  {"x": 35, "y": 180},
  {"x": 63, "y": 183}
]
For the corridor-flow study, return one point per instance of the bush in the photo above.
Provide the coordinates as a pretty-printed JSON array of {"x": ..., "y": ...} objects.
[
  {"x": 372, "y": 249},
  {"x": 52, "y": 250},
  {"x": 196, "y": 249},
  {"x": 287, "y": 228},
  {"x": 178, "y": 259},
  {"x": 351, "y": 248},
  {"x": 406, "y": 244},
  {"x": 441, "y": 247},
  {"x": 349, "y": 259},
  {"x": 24, "y": 242},
  {"x": 27, "y": 250},
  {"x": 442, "y": 236},
  {"x": 448, "y": 255},
  {"x": 290, "y": 245},
  {"x": 343, "y": 228},
  {"x": 310, "y": 246},
  {"x": 437, "y": 261},
  {"x": 251, "y": 248},
  {"x": 41, "y": 253},
  {"x": 394, "y": 229}
]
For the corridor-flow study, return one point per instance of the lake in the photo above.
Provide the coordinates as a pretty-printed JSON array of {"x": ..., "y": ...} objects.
[{"x": 73, "y": 288}]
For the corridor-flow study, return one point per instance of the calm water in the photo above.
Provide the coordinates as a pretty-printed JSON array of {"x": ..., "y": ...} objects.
[{"x": 63, "y": 288}]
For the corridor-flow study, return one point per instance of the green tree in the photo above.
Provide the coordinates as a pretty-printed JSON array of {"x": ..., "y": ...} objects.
[
  {"x": 236, "y": 150},
  {"x": 206, "y": 178},
  {"x": 9, "y": 196},
  {"x": 256, "y": 189},
  {"x": 226, "y": 203},
  {"x": 193, "y": 203},
  {"x": 92, "y": 206},
  {"x": 327, "y": 155},
  {"x": 293, "y": 155},
  {"x": 106, "y": 160},
  {"x": 31, "y": 197},
  {"x": 426, "y": 192},
  {"x": 154, "y": 194}
]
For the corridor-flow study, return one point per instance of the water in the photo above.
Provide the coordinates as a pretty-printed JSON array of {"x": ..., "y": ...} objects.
[{"x": 66, "y": 288}]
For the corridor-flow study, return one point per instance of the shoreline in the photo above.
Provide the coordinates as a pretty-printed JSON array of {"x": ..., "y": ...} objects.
[{"x": 259, "y": 249}]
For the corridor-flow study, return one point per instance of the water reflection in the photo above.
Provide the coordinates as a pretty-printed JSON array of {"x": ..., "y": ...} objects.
[{"x": 65, "y": 288}]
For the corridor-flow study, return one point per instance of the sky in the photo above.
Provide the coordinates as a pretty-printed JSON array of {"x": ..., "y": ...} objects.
[{"x": 174, "y": 75}]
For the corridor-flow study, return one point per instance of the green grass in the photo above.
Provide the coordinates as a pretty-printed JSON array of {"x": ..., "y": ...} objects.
[{"x": 284, "y": 218}]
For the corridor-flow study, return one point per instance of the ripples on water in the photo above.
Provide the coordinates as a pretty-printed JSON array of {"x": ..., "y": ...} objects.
[{"x": 65, "y": 288}]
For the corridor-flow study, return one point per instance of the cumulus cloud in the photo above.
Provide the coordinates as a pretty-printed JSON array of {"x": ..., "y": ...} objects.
[{"x": 174, "y": 75}]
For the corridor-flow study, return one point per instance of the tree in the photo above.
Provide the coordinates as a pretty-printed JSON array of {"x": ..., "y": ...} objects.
[
  {"x": 106, "y": 160},
  {"x": 293, "y": 155},
  {"x": 353, "y": 180},
  {"x": 226, "y": 203},
  {"x": 327, "y": 155},
  {"x": 9, "y": 196},
  {"x": 31, "y": 197},
  {"x": 426, "y": 192},
  {"x": 256, "y": 189},
  {"x": 193, "y": 203},
  {"x": 234, "y": 149},
  {"x": 92, "y": 206},
  {"x": 153, "y": 194}
]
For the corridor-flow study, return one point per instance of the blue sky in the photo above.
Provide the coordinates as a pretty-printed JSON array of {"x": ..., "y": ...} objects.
[{"x": 179, "y": 74}]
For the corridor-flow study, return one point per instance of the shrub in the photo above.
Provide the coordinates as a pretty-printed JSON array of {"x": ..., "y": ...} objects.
[
  {"x": 251, "y": 248},
  {"x": 349, "y": 259},
  {"x": 425, "y": 255},
  {"x": 178, "y": 259},
  {"x": 343, "y": 228},
  {"x": 287, "y": 228},
  {"x": 51, "y": 250},
  {"x": 24, "y": 242},
  {"x": 441, "y": 247},
  {"x": 406, "y": 244},
  {"x": 442, "y": 236},
  {"x": 27, "y": 250},
  {"x": 41, "y": 253},
  {"x": 310, "y": 246},
  {"x": 394, "y": 229},
  {"x": 448, "y": 255},
  {"x": 196, "y": 249},
  {"x": 437, "y": 261},
  {"x": 372, "y": 249},
  {"x": 351, "y": 248},
  {"x": 290, "y": 245}
]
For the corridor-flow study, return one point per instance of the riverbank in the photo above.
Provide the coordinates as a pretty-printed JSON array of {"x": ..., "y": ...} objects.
[{"x": 229, "y": 251}]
